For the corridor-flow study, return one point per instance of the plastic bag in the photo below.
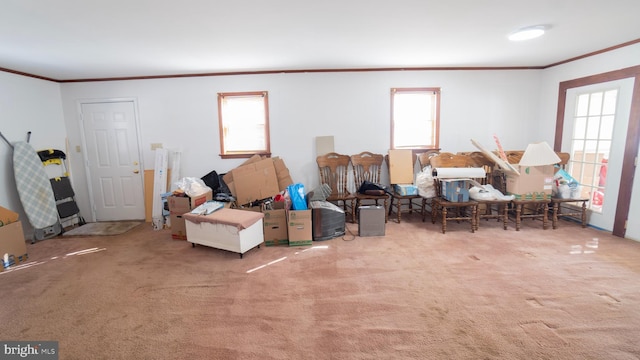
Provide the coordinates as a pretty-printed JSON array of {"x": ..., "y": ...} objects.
[
  {"x": 478, "y": 193},
  {"x": 424, "y": 182},
  {"x": 296, "y": 193},
  {"x": 565, "y": 186},
  {"x": 192, "y": 186}
]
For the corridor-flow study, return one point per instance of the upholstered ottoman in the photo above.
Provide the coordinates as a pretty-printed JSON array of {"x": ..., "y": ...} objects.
[{"x": 227, "y": 229}]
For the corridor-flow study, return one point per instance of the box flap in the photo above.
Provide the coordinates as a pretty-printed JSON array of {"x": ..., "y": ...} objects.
[
  {"x": 255, "y": 181},
  {"x": 505, "y": 166},
  {"x": 401, "y": 166},
  {"x": 7, "y": 216},
  {"x": 539, "y": 154}
]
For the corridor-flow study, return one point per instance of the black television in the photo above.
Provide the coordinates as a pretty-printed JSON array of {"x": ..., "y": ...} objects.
[{"x": 328, "y": 220}]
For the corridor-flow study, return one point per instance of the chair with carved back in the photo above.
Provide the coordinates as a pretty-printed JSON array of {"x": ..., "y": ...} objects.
[
  {"x": 367, "y": 166},
  {"x": 424, "y": 161},
  {"x": 573, "y": 207},
  {"x": 486, "y": 207},
  {"x": 447, "y": 209},
  {"x": 403, "y": 203},
  {"x": 525, "y": 208},
  {"x": 334, "y": 171}
]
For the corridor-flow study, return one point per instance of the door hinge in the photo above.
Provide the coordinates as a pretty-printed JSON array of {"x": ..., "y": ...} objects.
[{"x": 625, "y": 224}]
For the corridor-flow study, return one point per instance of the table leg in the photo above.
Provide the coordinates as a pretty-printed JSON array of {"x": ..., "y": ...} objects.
[
  {"x": 444, "y": 219},
  {"x": 518, "y": 212}
]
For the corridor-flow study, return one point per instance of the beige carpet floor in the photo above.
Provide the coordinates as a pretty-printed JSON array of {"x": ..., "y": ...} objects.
[{"x": 415, "y": 293}]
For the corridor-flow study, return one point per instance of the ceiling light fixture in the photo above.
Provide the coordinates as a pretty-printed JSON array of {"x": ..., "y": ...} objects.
[{"x": 527, "y": 33}]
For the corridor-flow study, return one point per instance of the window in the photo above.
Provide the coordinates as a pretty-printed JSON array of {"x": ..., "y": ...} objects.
[
  {"x": 244, "y": 124},
  {"x": 591, "y": 143},
  {"x": 415, "y": 118}
]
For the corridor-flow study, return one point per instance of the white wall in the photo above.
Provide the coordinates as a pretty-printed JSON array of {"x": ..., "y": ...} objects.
[
  {"x": 181, "y": 114},
  {"x": 519, "y": 106},
  {"x": 27, "y": 104}
]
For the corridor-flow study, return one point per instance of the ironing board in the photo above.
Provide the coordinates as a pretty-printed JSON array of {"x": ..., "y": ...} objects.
[{"x": 35, "y": 192}]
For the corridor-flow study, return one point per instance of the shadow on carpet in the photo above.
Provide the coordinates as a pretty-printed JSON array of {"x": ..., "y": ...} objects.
[{"x": 103, "y": 228}]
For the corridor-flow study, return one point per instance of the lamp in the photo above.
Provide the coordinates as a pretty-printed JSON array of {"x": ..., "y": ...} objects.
[{"x": 527, "y": 33}]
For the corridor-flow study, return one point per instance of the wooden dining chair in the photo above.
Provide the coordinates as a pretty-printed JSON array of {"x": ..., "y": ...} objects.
[
  {"x": 403, "y": 203},
  {"x": 446, "y": 209},
  {"x": 367, "y": 166},
  {"x": 334, "y": 171}
]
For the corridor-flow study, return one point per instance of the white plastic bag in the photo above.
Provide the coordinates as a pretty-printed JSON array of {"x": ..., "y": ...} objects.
[
  {"x": 192, "y": 186},
  {"x": 424, "y": 182}
]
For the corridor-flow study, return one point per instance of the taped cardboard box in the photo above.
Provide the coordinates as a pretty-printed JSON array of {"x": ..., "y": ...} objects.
[
  {"x": 299, "y": 227},
  {"x": 532, "y": 177},
  {"x": 275, "y": 227},
  {"x": 533, "y": 183},
  {"x": 536, "y": 172},
  {"x": 179, "y": 205},
  {"x": 13, "y": 248}
]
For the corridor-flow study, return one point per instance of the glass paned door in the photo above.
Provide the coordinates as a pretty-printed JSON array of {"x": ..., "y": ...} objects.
[{"x": 595, "y": 125}]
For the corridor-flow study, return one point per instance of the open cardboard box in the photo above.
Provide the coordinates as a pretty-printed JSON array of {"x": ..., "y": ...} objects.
[
  {"x": 257, "y": 179},
  {"x": 12, "y": 242},
  {"x": 532, "y": 178}
]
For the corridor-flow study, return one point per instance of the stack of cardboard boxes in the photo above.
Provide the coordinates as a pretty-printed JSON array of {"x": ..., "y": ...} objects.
[
  {"x": 258, "y": 178},
  {"x": 178, "y": 206}
]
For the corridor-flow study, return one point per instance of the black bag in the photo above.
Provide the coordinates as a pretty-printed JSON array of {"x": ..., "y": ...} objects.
[
  {"x": 370, "y": 188},
  {"x": 212, "y": 181}
]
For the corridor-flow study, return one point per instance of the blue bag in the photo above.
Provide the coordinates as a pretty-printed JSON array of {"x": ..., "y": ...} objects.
[{"x": 296, "y": 193}]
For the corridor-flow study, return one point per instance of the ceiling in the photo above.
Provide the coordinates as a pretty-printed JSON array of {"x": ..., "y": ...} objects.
[{"x": 79, "y": 39}]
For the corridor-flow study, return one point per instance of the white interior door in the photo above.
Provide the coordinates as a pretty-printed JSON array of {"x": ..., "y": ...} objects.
[
  {"x": 112, "y": 158},
  {"x": 604, "y": 206}
]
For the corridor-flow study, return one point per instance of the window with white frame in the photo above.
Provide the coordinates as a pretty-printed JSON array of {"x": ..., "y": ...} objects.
[
  {"x": 244, "y": 124},
  {"x": 415, "y": 118}
]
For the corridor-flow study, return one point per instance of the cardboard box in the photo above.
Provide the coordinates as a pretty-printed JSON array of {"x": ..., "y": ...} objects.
[
  {"x": 532, "y": 178},
  {"x": 178, "y": 229},
  {"x": 534, "y": 182},
  {"x": 178, "y": 205},
  {"x": 299, "y": 227},
  {"x": 405, "y": 189},
  {"x": 255, "y": 181},
  {"x": 228, "y": 177},
  {"x": 275, "y": 227},
  {"x": 12, "y": 242},
  {"x": 401, "y": 167},
  {"x": 282, "y": 173},
  {"x": 455, "y": 190}
]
